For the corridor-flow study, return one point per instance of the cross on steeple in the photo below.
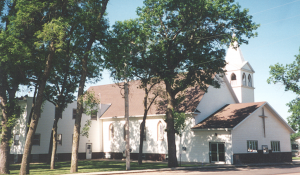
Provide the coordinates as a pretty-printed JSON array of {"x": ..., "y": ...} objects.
[{"x": 263, "y": 117}]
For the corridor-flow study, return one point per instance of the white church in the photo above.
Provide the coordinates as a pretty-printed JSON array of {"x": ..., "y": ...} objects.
[{"x": 224, "y": 125}]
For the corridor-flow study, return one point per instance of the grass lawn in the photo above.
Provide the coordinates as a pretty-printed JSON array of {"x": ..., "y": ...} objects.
[
  {"x": 296, "y": 158},
  {"x": 85, "y": 166}
]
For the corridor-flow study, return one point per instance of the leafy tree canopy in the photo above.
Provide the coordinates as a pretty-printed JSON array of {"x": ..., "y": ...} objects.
[{"x": 289, "y": 76}]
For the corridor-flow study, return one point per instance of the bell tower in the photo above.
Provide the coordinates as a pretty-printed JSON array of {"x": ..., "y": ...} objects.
[{"x": 239, "y": 74}]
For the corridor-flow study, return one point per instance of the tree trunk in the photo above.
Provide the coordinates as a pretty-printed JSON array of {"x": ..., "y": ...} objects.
[
  {"x": 143, "y": 124},
  {"x": 36, "y": 114},
  {"x": 50, "y": 148},
  {"x": 172, "y": 159},
  {"x": 6, "y": 134},
  {"x": 7, "y": 109},
  {"x": 58, "y": 113},
  {"x": 76, "y": 131},
  {"x": 4, "y": 148},
  {"x": 127, "y": 152}
]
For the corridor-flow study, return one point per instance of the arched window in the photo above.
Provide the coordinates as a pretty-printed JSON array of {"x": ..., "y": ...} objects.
[
  {"x": 233, "y": 76},
  {"x": 144, "y": 135},
  {"x": 233, "y": 79},
  {"x": 111, "y": 131},
  {"x": 244, "y": 80},
  {"x": 160, "y": 131},
  {"x": 249, "y": 81}
]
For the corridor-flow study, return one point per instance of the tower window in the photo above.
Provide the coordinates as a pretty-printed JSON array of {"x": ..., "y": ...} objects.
[
  {"x": 233, "y": 76},
  {"x": 233, "y": 79},
  {"x": 249, "y": 81},
  {"x": 244, "y": 80}
]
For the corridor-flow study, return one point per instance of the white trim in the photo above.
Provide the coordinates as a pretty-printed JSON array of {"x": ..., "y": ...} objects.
[
  {"x": 244, "y": 87},
  {"x": 212, "y": 129},
  {"x": 280, "y": 118},
  {"x": 136, "y": 116},
  {"x": 248, "y": 65}
]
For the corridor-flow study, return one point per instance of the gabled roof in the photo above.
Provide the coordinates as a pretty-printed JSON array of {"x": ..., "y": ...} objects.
[
  {"x": 228, "y": 116},
  {"x": 246, "y": 66},
  {"x": 111, "y": 98}
]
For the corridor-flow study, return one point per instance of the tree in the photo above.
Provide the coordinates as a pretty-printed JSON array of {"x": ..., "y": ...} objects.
[
  {"x": 40, "y": 29},
  {"x": 10, "y": 79},
  {"x": 59, "y": 91},
  {"x": 289, "y": 76},
  {"x": 128, "y": 44},
  {"x": 90, "y": 20},
  {"x": 187, "y": 46}
]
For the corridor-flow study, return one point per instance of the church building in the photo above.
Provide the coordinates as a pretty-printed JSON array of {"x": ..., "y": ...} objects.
[{"x": 224, "y": 125}]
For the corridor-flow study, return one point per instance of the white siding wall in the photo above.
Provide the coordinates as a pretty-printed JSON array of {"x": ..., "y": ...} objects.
[
  {"x": 213, "y": 100},
  {"x": 21, "y": 127},
  {"x": 151, "y": 145},
  {"x": 252, "y": 129},
  {"x": 196, "y": 143},
  {"x": 248, "y": 94},
  {"x": 66, "y": 127},
  {"x": 44, "y": 129}
]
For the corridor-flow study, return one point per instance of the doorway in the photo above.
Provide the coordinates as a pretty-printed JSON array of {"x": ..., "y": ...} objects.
[
  {"x": 216, "y": 152},
  {"x": 88, "y": 151}
]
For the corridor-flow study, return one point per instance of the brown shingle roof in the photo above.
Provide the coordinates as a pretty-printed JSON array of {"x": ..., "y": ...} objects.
[
  {"x": 113, "y": 94},
  {"x": 228, "y": 116}
]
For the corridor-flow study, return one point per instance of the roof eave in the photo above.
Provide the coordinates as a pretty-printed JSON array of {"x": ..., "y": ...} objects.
[
  {"x": 211, "y": 129},
  {"x": 248, "y": 116}
]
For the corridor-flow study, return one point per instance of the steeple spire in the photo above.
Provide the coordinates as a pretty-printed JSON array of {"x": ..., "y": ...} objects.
[
  {"x": 239, "y": 73},
  {"x": 234, "y": 56}
]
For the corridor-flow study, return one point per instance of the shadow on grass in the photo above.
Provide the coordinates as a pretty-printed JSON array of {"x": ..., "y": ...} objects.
[{"x": 85, "y": 166}]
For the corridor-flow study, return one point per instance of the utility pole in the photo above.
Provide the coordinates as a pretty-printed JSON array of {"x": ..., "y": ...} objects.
[{"x": 127, "y": 152}]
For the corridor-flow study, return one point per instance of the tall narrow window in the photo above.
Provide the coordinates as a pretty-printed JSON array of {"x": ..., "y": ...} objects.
[
  {"x": 160, "y": 131},
  {"x": 111, "y": 131},
  {"x": 244, "y": 80},
  {"x": 275, "y": 145},
  {"x": 233, "y": 79},
  {"x": 124, "y": 132},
  {"x": 36, "y": 139},
  {"x": 16, "y": 139},
  {"x": 249, "y": 81},
  {"x": 59, "y": 139},
  {"x": 94, "y": 115},
  {"x": 252, "y": 146},
  {"x": 74, "y": 113}
]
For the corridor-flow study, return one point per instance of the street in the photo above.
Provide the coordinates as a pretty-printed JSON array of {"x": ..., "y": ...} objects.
[{"x": 279, "y": 169}]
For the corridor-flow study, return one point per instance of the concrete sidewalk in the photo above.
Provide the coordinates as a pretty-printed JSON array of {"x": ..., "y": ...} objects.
[{"x": 202, "y": 166}]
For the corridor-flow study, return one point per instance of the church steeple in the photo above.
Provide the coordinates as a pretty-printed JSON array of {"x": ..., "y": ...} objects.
[{"x": 239, "y": 73}]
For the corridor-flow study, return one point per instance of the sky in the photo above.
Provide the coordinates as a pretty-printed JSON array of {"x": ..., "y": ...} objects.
[{"x": 278, "y": 41}]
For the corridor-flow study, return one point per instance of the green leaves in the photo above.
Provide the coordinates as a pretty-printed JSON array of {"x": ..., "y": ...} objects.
[
  {"x": 55, "y": 30},
  {"x": 179, "y": 122},
  {"x": 289, "y": 76}
]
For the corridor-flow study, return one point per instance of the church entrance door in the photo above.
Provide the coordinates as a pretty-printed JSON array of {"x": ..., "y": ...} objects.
[{"x": 216, "y": 152}]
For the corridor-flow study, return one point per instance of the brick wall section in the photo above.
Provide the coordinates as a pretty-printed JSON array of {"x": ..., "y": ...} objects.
[{"x": 259, "y": 157}]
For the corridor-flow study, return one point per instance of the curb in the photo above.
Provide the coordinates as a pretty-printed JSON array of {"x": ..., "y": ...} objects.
[{"x": 187, "y": 168}]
